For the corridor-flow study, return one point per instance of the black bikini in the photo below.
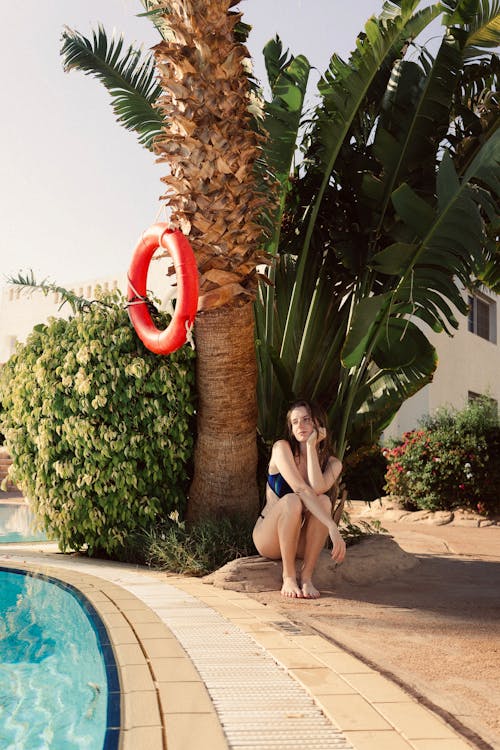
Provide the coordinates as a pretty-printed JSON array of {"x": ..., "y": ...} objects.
[{"x": 279, "y": 485}]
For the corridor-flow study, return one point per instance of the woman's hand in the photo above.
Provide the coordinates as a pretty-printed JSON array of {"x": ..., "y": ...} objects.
[
  {"x": 338, "y": 550},
  {"x": 316, "y": 436}
]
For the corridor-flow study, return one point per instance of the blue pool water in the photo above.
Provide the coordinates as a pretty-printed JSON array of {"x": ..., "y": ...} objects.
[
  {"x": 58, "y": 680},
  {"x": 17, "y": 524}
]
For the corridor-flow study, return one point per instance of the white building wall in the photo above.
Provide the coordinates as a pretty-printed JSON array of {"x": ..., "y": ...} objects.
[
  {"x": 407, "y": 417},
  {"x": 467, "y": 363}
]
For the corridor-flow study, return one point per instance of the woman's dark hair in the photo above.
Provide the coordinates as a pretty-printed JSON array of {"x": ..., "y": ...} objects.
[{"x": 319, "y": 418}]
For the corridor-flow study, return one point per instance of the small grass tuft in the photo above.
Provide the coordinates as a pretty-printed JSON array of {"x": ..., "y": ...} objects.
[{"x": 195, "y": 550}]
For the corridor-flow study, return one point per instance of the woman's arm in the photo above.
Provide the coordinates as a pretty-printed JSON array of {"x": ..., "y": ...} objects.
[
  {"x": 321, "y": 481},
  {"x": 282, "y": 459}
]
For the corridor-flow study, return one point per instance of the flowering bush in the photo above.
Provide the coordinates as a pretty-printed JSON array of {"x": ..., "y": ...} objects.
[
  {"x": 100, "y": 429},
  {"x": 452, "y": 462}
]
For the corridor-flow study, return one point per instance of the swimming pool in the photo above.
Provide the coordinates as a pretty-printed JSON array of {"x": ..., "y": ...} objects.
[
  {"x": 59, "y": 686},
  {"x": 16, "y": 524}
]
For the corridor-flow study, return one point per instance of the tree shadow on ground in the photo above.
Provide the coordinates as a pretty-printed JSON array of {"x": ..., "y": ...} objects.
[{"x": 464, "y": 588}]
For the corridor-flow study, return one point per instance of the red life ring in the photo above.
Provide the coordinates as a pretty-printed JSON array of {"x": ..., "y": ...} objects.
[{"x": 179, "y": 249}]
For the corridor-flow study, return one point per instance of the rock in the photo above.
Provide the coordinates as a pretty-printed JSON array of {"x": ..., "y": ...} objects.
[
  {"x": 395, "y": 515},
  {"x": 391, "y": 509},
  {"x": 251, "y": 574},
  {"x": 370, "y": 511},
  {"x": 394, "y": 502},
  {"x": 433, "y": 517},
  {"x": 464, "y": 517},
  {"x": 375, "y": 558},
  {"x": 440, "y": 517},
  {"x": 419, "y": 515}
]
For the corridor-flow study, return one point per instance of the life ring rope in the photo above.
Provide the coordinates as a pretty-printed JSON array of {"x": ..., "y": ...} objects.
[
  {"x": 140, "y": 308},
  {"x": 138, "y": 299}
]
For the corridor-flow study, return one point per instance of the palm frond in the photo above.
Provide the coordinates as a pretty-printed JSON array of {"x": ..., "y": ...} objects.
[
  {"x": 29, "y": 283},
  {"x": 127, "y": 74},
  {"x": 483, "y": 31},
  {"x": 156, "y": 12}
]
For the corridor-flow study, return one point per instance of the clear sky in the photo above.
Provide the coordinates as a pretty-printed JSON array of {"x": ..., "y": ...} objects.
[{"x": 77, "y": 189}]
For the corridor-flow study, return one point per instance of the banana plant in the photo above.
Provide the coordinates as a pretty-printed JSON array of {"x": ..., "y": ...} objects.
[{"x": 386, "y": 217}]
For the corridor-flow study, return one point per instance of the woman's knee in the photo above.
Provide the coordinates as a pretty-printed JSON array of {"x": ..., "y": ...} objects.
[
  {"x": 326, "y": 503},
  {"x": 292, "y": 505}
]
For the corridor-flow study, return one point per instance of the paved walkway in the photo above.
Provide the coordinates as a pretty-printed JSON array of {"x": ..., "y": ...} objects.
[{"x": 204, "y": 667}]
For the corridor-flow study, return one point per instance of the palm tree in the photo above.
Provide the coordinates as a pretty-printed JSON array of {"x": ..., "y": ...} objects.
[
  {"x": 353, "y": 268},
  {"x": 201, "y": 127},
  {"x": 210, "y": 148}
]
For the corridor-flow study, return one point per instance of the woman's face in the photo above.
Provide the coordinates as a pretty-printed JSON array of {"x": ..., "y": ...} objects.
[{"x": 301, "y": 424}]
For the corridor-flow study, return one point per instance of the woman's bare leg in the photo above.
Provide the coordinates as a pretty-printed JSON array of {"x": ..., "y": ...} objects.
[
  {"x": 311, "y": 543},
  {"x": 289, "y": 524},
  {"x": 277, "y": 536}
]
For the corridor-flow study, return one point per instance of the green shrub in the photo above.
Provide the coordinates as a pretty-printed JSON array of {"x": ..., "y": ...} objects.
[
  {"x": 452, "y": 462},
  {"x": 100, "y": 429}
]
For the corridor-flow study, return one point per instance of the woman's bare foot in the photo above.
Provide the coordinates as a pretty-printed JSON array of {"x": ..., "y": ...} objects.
[
  {"x": 291, "y": 588},
  {"x": 309, "y": 591}
]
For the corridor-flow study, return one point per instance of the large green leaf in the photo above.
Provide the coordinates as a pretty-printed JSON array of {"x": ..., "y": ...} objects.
[
  {"x": 480, "y": 20},
  {"x": 401, "y": 344},
  {"x": 393, "y": 259},
  {"x": 365, "y": 320},
  {"x": 415, "y": 117},
  {"x": 288, "y": 77},
  {"x": 484, "y": 28}
]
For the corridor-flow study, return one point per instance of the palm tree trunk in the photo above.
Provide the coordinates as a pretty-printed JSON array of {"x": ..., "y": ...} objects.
[{"x": 225, "y": 479}]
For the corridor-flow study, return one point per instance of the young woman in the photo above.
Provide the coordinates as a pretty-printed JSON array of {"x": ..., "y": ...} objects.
[{"x": 297, "y": 517}]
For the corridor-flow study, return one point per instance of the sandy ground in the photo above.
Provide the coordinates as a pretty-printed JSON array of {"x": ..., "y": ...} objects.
[{"x": 435, "y": 629}]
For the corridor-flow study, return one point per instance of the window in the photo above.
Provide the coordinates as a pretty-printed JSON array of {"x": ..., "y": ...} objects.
[
  {"x": 492, "y": 402},
  {"x": 482, "y": 317}
]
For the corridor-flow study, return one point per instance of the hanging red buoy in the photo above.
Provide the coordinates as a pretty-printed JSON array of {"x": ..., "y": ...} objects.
[{"x": 179, "y": 249}]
